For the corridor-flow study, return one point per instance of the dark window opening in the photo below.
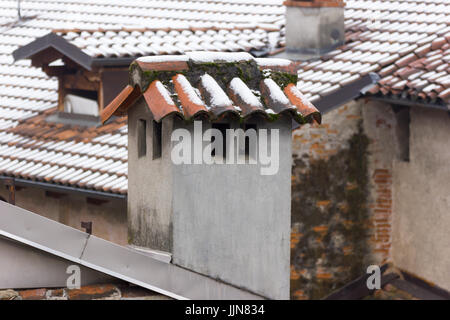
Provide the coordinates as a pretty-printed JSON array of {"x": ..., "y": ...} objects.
[
  {"x": 248, "y": 126},
  {"x": 82, "y": 102},
  {"x": 157, "y": 139},
  {"x": 403, "y": 132},
  {"x": 88, "y": 94},
  {"x": 222, "y": 127},
  {"x": 142, "y": 138}
]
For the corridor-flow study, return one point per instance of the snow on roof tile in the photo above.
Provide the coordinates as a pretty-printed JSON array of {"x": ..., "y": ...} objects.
[{"x": 201, "y": 92}]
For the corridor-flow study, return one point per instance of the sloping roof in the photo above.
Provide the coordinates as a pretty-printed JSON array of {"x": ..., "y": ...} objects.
[
  {"x": 190, "y": 87},
  {"x": 92, "y": 158},
  {"x": 99, "y": 47},
  {"x": 379, "y": 34},
  {"x": 423, "y": 75},
  {"x": 85, "y": 157},
  {"x": 142, "y": 269}
]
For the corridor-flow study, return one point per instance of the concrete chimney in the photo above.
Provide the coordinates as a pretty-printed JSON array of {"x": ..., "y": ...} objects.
[
  {"x": 226, "y": 221},
  {"x": 314, "y": 27}
]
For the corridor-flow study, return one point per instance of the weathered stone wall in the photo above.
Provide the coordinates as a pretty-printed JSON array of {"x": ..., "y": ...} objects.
[
  {"x": 380, "y": 125},
  {"x": 109, "y": 219},
  {"x": 341, "y": 197}
]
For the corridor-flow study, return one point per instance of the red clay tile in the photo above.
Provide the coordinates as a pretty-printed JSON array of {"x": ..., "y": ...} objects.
[
  {"x": 159, "y": 101},
  {"x": 306, "y": 108}
]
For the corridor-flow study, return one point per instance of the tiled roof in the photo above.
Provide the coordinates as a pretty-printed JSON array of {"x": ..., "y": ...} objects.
[
  {"x": 152, "y": 41},
  {"x": 423, "y": 75},
  {"x": 190, "y": 87},
  {"x": 92, "y": 158},
  {"x": 379, "y": 34},
  {"x": 96, "y": 158},
  {"x": 94, "y": 47}
]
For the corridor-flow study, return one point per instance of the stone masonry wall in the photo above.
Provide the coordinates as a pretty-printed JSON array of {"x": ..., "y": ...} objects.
[{"x": 341, "y": 197}]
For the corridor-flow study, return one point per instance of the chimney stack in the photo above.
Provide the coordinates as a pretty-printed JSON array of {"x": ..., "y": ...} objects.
[
  {"x": 314, "y": 27},
  {"x": 229, "y": 221}
]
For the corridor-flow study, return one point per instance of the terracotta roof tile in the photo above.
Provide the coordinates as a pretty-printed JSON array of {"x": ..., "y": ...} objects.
[
  {"x": 406, "y": 39},
  {"x": 114, "y": 28},
  {"x": 243, "y": 87}
]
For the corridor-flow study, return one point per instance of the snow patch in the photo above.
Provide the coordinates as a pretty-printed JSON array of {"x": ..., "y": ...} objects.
[
  {"x": 163, "y": 91},
  {"x": 271, "y": 62},
  {"x": 218, "y": 96},
  {"x": 299, "y": 95},
  {"x": 275, "y": 91},
  {"x": 189, "y": 90},
  {"x": 208, "y": 56},
  {"x": 163, "y": 58},
  {"x": 240, "y": 88}
]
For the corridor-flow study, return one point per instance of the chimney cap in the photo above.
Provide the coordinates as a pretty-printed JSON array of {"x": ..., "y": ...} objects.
[{"x": 214, "y": 85}]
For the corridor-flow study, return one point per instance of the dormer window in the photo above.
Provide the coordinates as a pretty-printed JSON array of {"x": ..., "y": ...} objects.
[{"x": 86, "y": 84}]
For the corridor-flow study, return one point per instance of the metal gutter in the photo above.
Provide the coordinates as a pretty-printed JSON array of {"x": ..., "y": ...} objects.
[
  {"x": 409, "y": 103},
  {"x": 61, "y": 188},
  {"x": 344, "y": 94},
  {"x": 118, "y": 261}
]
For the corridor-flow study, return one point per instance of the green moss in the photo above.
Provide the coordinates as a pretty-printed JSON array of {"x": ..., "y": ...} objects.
[
  {"x": 281, "y": 78},
  {"x": 223, "y": 73},
  {"x": 342, "y": 249}
]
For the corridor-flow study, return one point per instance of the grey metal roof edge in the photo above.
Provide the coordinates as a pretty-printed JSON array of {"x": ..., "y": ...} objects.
[
  {"x": 344, "y": 94},
  {"x": 62, "y": 188},
  {"x": 347, "y": 93},
  {"x": 408, "y": 102},
  {"x": 113, "y": 62},
  {"x": 118, "y": 261},
  {"x": 56, "y": 42}
]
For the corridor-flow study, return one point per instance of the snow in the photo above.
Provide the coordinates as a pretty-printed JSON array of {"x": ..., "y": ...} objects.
[
  {"x": 270, "y": 111},
  {"x": 275, "y": 91},
  {"x": 164, "y": 93},
  {"x": 218, "y": 97},
  {"x": 209, "y": 56},
  {"x": 294, "y": 90},
  {"x": 270, "y": 62},
  {"x": 240, "y": 88},
  {"x": 163, "y": 58},
  {"x": 189, "y": 90}
]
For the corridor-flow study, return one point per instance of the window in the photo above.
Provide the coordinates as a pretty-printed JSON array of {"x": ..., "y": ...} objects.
[
  {"x": 402, "y": 131},
  {"x": 142, "y": 138},
  {"x": 81, "y": 102},
  {"x": 157, "y": 139}
]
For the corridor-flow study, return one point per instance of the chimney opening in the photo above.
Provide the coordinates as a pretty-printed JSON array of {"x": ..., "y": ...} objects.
[
  {"x": 222, "y": 127},
  {"x": 157, "y": 139},
  {"x": 142, "y": 138},
  {"x": 250, "y": 134}
]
